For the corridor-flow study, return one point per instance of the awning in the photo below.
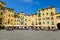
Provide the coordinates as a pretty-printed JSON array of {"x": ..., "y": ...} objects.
[
  {"x": 58, "y": 20},
  {"x": 8, "y": 25},
  {"x": 16, "y": 25}
]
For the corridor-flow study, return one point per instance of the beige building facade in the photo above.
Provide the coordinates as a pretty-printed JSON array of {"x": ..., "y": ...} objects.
[{"x": 44, "y": 18}]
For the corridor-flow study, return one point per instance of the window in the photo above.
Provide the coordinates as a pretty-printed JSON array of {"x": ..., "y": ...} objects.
[
  {"x": 39, "y": 23},
  {"x": 11, "y": 23},
  {"x": 29, "y": 20},
  {"x": 52, "y": 13},
  {"x": 8, "y": 21},
  {"x": 0, "y": 20},
  {"x": 32, "y": 23},
  {"x": 21, "y": 23},
  {"x": 47, "y": 13},
  {"x": 5, "y": 23},
  {"x": 19, "y": 20},
  {"x": 18, "y": 16},
  {"x": 0, "y": 23},
  {"x": 11, "y": 20},
  {"x": 43, "y": 14},
  {"x": 42, "y": 9},
  {"x": 2, "y": 8},
  {"x": 12, "y": 11},
  {"x": 52, "y": 23},
  {"x": 9, "y": 15},
  {"x": 43, "y": 18},
  {"x": 12, "y": 15},
  {"x": 39, "y": 10},
  {"x": 51, "y": 7},
  {"x": 22, "y": 18},
  {"x": 47, "y": 18},
  {"x": 47, "y": 22},
  {"x": 52, "y": 18},
  {"x": 36, "y": 23},
  {"x": 39, "y": 19},
  {"x": 39, "y": 15},
  {"x": 15, "y": 20},
  {"x": 43, "y": 22},
  {"x": 25, "y": 19},
  {"x": 1, "y": 13},
  {"x": 25, "y": 23}
]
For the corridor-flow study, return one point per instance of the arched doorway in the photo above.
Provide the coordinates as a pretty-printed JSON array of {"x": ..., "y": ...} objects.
[
  {"x": 32, "y": 27},
  {"x": 36, "y": 27},
  {"x": 25, "y": 27},
  {"x": 58, "y": 26},
  {"x": 39, "y": 27},
  {"x": 0, "y": 27}
]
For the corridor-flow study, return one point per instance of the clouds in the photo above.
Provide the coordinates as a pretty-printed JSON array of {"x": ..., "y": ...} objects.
[
  {"x": 37, "y": 3},
  {"x": 28, "y": 1},
  {"x": 34, "y": 2}
]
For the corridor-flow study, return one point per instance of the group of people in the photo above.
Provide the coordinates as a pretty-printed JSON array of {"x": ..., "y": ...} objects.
[{"x": 44, "y": 29}]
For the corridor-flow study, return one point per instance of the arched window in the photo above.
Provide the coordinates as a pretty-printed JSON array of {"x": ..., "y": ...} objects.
[{"x": 52, "y": 13}]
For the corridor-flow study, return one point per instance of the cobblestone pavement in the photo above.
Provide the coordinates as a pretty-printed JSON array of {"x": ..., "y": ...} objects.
[{"x": 29, "y": 35}]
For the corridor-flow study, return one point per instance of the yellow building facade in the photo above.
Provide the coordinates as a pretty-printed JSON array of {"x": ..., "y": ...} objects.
[
  {"x": 44, "y": 18},
  {"x": 2, "y": 10},
  {"x": 58, "y": 20}
]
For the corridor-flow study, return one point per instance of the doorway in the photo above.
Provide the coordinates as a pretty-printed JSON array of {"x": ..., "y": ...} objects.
[{"x": 58, "y": 26}]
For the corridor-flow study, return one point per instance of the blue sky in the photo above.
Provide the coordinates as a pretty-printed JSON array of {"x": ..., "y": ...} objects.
[{"x": 31, "y": 6}]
